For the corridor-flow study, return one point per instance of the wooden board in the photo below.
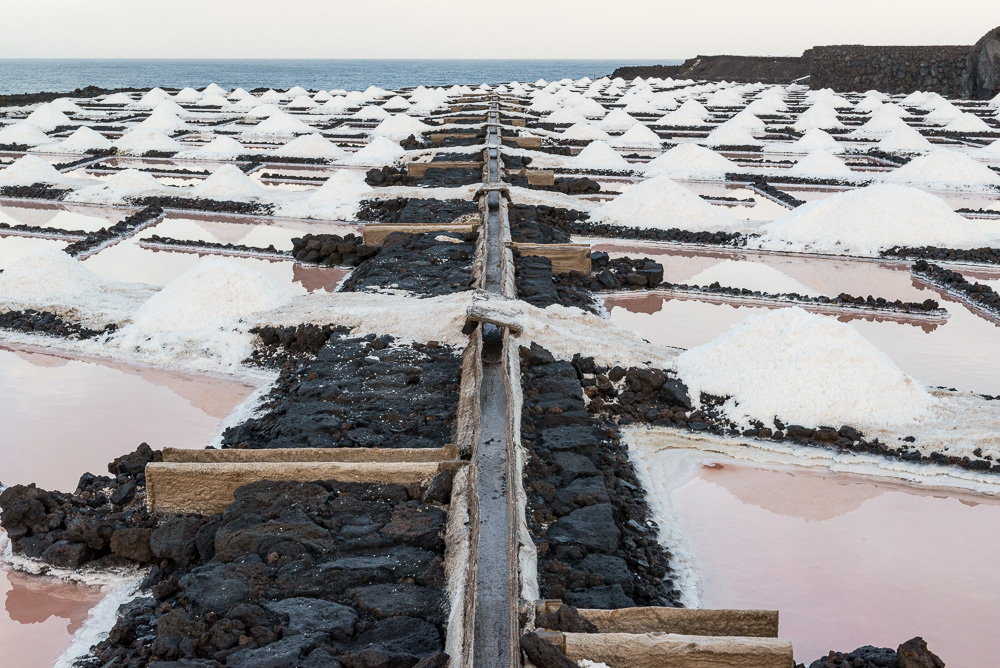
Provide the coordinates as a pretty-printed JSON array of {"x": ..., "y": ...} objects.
[{"x": 564, "y": 257}]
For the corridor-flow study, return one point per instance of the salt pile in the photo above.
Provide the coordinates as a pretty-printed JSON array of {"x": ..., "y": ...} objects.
[
  {"x": 66, "y": 105},
  {"x": 691, "y": 162},
  {"x": 117, "y": 187},
  {"x": 585, "y": 132},
  {"x": 82, "y": 140},
  {"x": 882, "y": 122},
  {"x": 804, "y": 369},
  {"x": 618, "y": 119},
  {"x": 905, "y": 139},
  {"x": 48, "y": 277},
  {"x": 337, "y": 199},
  {"x": 29, "y": 170},
  {"x": 371, "y": 113},
  {"x": 228, "y": 183},
  {"x": 638, "y": 136},
  {"x": 140, "y": 141},
  {"x": 380, "y": 151},
  {"x": 566, "y": 115},
  {"x": 660, "y": 203},
  {"x": 201, "y": 314},
  {"x": 400, "y": 126},
  {"x": 813, "y": 140},
  {"x": 23, "y": 134},
  {"x": 188, "y": 95},
  {"x": 163, "y": 120},
  {"x": 821, "y": 165},
  {"x": 730, "y": 135},
  {"x": 598, "y": 155},
  {"x": 865, "y": 221},
  {"x": 680, "y": 118},
  {"x": 311, "y": 146},
  {"x": 47, "y": 118},
  {"x": 280, "y": 124},
  {"x": 220, "y": 148},
  {"x": 945, "y": 169},
  {"x": 969, "y": 123},
  {"x": 818, "y": 116}
]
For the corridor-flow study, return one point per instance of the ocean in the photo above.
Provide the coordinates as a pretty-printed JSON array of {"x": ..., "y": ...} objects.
[{"x": 64, "y": 75}]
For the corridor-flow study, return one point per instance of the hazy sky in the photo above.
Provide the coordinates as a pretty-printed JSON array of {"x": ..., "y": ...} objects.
[{"x": 458, "y": 28}]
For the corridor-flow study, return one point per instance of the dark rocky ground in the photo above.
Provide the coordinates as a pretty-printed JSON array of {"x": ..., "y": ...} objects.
[
  {"x": 414, "y": 210},
  {"x": 597, "y": 544},
  {"x": 358, "y": 391},
  {"x": 419, "y": 264},
  {"x": 979, "y": 293}
]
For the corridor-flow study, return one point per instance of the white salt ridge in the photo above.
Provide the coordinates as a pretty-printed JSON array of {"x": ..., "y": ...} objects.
[
  {"x": 945, "y": 168},
  {"x": 188, "y": 95},
  {"x": 120, "y": 185},
  {"x": 400, "y": 126},
  {"x": 598, "y": 155},
  {"x": 813, "y": 140},
  {"x": 821, "y": 165},
  {"x": 882, "y": 122},
  {"x": 82, "y": 140},
  {"x": 380, "y": 151},
  {"x": 203, "y": 315},
  {"x": 47, "y": 118},
  {"x": 220, "y": 148},
  {"x": 618, "y": 119},
  {"x": 29, "y": 170},
  {"x": 23, "y": 134},
  {"x": 371, "y": 113},
  {"x": 730, "y": 135},
  {"x": 585, "y": 132},
  {"x": 638, "y": 136},
  {"x": 339, "y": 198},
  {"x": 263, "y": 111},
  {"x": 568, "y": 115},
  {"x": 118, "y": 99},
  {"x": 943, "y": 114},
  {"x": 865, "y": 221},
  {"x": 969, "y": 123},
  {"x": 140, "y": 141},
  {"x": 280, "y": 124},
  {"x": 690, "y": 162},
  {"x": 66, "y": 105},
  {"x": 311, "y": 146},
  {"x": 818, "y": 116},
  {"x": 905, "y": 139},
  {"x": 164, "y": 121},
  {"x": 660, "y": 203},
  {"x": 991, "y": 150},
  {"x": 228, "y": 183},
  {"x": 803, "y": 369},
  {"x": 302, "y": 102}
]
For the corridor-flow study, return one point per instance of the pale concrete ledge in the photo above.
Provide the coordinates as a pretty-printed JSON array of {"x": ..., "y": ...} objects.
[
  {"x": 670, "y": 650},
  {"x": 564, "y": 257},
  {"x": 173, "y": 487},
  {"x": 370, "y": 455},
  {"x": 685, "y": 621}
]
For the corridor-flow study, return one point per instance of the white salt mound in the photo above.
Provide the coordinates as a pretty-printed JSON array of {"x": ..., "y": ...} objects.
[
  {"x": 598, "y": 155},
  {"x": 821, "y": 165},
  {"x": 585, "y": 132},
  {"x": 23, "y": 134},
  {"x": 47, "y": 118},
  {"x": 690, "y": 162},
  {"x": 311, "y": 146},
  {"x": 638, "y": 136},
  {"x": 48, "y": 277},
  {"x": 200, "y": 314},
  {"x": 82, "y": 140},
  {"x": 345, "y": 186},
  {"x": 29, "y": 170},
  {"x": 905, "y": 139},
  {"x": 661, "y": 203},
  {"x": 118, "y": 186},
  {"x": 228, "y": 183},
  {"x": 804, "y": 369},
  {"x": 945, "y": 168},
  {"x": 867, "y": 220},
  {"x": 220, "y": 148},
  {"x": 380, "y": 151},
  {"x": 139, "y": 141},
  {"x": 400, "y": 126}
]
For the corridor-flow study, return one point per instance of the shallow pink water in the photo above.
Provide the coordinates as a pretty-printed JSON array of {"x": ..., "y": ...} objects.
[
  {"x": 40, "y": 616},
  {"x": 63, "y": 216},
  {"x": 63, "y": 416},
  {"x": 847, "y": 562},
  {"x": 258, "y": 232}
]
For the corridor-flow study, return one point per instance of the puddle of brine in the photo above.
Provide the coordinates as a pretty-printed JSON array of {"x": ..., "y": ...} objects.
[
  {"x": 64, "y": 416},
  {"x": 61, "y": 216},
  {"x": 847, "y": 562},
  {"x": 40, "y": 616},
  {"x": 127, "y": 261},
  {"x": 246, "y": 231}
]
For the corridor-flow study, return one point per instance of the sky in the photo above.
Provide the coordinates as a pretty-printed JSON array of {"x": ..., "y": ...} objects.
[{"x": 637, "y": 29}]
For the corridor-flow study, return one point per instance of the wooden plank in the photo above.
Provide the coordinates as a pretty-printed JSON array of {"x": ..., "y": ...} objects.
[
  {"x": 540, "y": 177},
  {"x": 439, "y": 137},
  {"x": 173, "y": 487},
  {"x": 370, "y": 455},
  {"x": 564, "y": 257},
  {"x": 528, "y": 142},
  {"x": 685, "y": 621},
  {"x": 418, "y": 169},
  {"x": 375, "y": 233}
]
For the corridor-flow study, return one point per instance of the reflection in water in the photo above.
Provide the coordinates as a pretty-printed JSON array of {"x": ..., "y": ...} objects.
[
  {"x": 64, "y": 416},
  {"x": 847, "y": 562},
  {"x": 41, "y": 615}
]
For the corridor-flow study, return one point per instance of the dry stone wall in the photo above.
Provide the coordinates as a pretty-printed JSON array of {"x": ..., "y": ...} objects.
[{"x": 891, "y": 69}]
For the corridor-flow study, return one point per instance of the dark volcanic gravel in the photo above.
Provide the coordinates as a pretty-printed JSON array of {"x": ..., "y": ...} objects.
[
  {"x": 43, "y": 322},
  {"x": 359, "y": 391},
  {"x": 542, "y": 224},
  {"x": 597, "y": 544},
  {"x": 415, "y": 210},
  {"x": 419, "y": 264}
]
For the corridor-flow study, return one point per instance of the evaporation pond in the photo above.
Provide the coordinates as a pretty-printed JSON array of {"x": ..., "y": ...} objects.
[{"x": 64, "y": 416}]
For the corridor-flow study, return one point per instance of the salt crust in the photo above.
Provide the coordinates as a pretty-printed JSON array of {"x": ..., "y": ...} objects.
[
  {"x": 865, "y": 221},
  {"x": 805, "y": 369}
]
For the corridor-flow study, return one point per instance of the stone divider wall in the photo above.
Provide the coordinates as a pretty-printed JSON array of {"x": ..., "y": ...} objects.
[{"x": 890, "y": 69}]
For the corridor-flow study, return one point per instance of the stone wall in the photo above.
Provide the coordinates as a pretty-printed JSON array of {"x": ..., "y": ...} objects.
[{"x": 890, "y": 69}]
